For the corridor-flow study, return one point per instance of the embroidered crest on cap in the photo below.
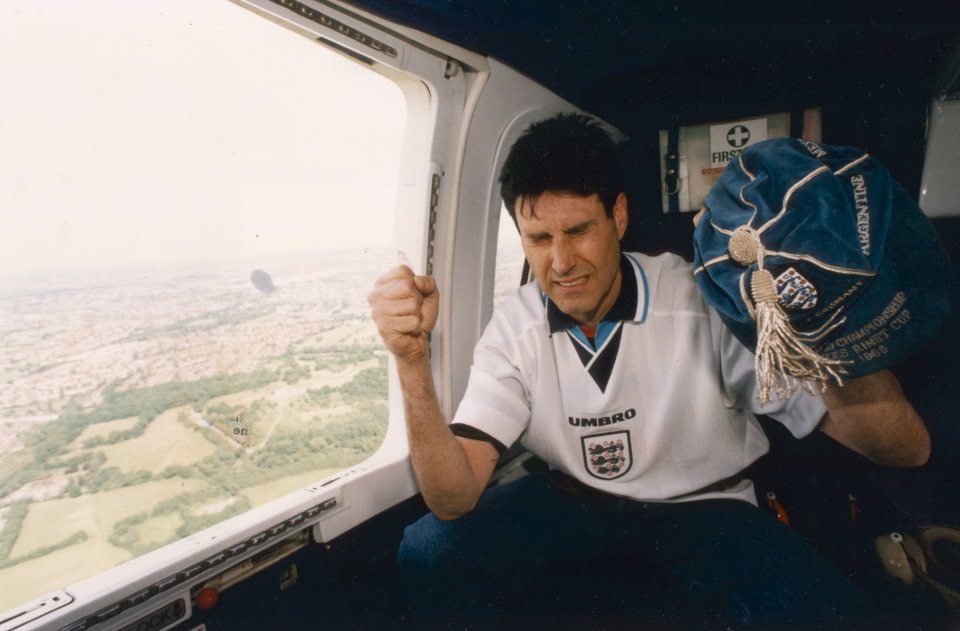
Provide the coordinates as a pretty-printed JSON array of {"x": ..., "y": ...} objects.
[
  {"x": 607, "y": 456},
  {"x": 796, "y": 292}
]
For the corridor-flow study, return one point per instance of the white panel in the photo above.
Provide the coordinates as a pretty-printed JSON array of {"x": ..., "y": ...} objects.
[
  {"x": 508, "y": 104},
  {"x": 940, "y": 186}
]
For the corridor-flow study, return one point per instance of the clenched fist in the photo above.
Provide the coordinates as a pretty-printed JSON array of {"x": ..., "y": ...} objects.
[{"x": 404, "y": 308}]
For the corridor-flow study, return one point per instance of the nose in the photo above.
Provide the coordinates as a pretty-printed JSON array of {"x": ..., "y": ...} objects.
[{"x": 562, "y": 253}]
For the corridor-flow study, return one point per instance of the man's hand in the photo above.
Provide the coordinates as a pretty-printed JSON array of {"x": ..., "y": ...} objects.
[
  {"x": 404, "y": 307},
  {"x": 871, "y": 416},
  {"x": 452, "y": 472}
]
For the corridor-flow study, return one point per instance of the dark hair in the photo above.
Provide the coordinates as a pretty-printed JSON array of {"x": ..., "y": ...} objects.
[{"x": 567, "y": 153}]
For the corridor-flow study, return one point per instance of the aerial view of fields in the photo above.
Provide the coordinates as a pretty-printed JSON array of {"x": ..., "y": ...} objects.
[{"x": 140, "y": 406}]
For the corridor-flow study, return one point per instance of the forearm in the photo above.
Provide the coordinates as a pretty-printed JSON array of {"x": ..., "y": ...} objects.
[
  {"x": 449, "y": 485},
  {"x": 451, "y": 474},
  {"x": 871, "y": 416}
]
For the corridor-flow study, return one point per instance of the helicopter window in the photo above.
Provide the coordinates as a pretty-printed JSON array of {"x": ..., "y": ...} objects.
[
  {"x": 185, "y": 247},
  {"x": 509, "y": 272}
]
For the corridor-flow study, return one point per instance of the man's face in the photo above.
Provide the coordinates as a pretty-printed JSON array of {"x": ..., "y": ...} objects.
[{"x": 574, "y": 251}]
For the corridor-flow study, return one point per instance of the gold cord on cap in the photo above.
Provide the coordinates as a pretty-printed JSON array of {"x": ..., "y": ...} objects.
[
  {"x": 782, "y": 359},
  {"x": 744, "y": 245}
]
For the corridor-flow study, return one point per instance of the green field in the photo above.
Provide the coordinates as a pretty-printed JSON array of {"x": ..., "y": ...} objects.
[
  {"x": 56, "y": 570},
  {"x": 95, "y": 514},
  {"x": 156, "y": 531},
  {"x": 280, "y": 407},
  {"x": 102, "y": 430},
  {"x": 263, "y": 493},
  {"x": 166, "y": 442},
  {"x": 146, "y": 467}
]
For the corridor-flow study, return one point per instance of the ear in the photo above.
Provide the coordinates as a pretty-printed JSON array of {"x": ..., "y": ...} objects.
[{"x": 620, "y": 214}]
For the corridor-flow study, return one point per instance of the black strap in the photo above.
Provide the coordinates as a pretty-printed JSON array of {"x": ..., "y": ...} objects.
[{"x": 671, "y": 170}]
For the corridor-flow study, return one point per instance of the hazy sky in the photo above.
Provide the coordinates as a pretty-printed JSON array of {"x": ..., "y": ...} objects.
[{"x": 173, "y": 130}]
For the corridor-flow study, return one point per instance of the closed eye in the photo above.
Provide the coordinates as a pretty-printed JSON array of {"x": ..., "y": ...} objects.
[
  {"x": 580, "y": 229},
  {"x": 537, "y": 238}
]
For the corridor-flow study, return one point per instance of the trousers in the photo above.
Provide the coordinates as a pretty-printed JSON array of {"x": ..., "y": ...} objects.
[{"x": 717, "y": 560}]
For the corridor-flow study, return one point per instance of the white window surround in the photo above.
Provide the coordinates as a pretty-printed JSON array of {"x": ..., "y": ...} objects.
[{"x": 333, "y": 505}]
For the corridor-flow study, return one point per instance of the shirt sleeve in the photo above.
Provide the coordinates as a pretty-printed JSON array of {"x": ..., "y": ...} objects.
[
  {"x": 800, "y": 413},
  {"x": 471, "y": 432},
  {"x": 497, "y": 401}
]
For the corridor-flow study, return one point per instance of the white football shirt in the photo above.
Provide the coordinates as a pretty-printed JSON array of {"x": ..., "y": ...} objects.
[{"x": 658, "y": 407}]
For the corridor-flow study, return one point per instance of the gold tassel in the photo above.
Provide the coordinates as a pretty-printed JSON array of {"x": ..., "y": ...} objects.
[{"x": 782, "y": 359}]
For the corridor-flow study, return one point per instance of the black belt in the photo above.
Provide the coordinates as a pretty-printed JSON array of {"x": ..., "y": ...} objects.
[{"x": 573, "y": 486}]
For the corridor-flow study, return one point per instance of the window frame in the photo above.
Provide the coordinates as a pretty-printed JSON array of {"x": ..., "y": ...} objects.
[{"x": 434, "y": 89}]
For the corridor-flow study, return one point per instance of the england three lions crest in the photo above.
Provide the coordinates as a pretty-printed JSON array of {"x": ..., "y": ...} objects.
[
  {"x": 795, "y": 291},
  {"x": 607, "y": 456}
]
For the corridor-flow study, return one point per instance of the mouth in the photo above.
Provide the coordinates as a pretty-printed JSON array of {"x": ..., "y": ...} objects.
[{"x": 573, "y": 283}]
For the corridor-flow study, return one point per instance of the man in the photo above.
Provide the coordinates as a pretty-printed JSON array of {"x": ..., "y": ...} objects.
[{"x": 613, "y": 370}]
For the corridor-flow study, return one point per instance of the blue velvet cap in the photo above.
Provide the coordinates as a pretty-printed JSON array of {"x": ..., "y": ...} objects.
[{"x": 860, "y": 278}]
